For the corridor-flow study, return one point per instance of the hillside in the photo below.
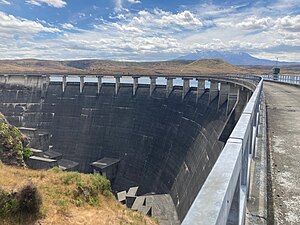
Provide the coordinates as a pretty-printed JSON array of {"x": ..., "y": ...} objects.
[
  {"x": 212, "y": 66},
  {"x": 62, "y": 202},
  {"x": 34, "y": 66},
  {"x": 205, "y": 66}
]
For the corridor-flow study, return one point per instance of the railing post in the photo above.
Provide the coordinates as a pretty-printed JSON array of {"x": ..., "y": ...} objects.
[
  {"x": 99, "y": 84},
  {"x": 169, "y": 87},
  {"x": 186, "y": 86},
  {"x": 25, "y": 79},
  {"x": 64, "y": 83},
  {"x": 81, "y": 84},
  {"x": 117, "y": 84},
  {"x": 45, "y": 83},
  {"x": 6, "y": 78},
  {"x": 223, "y": 94},
  {"x": 135, "y": 84},
  {"x": 213, "y": 90},
  {"x": 152, "y": 84},
  {"x": 200, "y": 88},
  {"x": 232, "y": 98}
]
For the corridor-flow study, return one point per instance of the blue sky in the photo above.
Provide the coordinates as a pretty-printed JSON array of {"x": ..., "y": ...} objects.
[{"x": 147, "y": 29}]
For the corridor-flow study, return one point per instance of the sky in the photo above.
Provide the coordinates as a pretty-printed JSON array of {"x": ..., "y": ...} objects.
[{"x": 148, "y": 30}]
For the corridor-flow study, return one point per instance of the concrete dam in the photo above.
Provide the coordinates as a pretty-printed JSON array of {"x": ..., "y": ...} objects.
[{"x": 165, "y": 139}]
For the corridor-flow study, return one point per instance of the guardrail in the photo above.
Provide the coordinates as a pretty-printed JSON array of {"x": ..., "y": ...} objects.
[
  {"x": 284, "y": 79},
  {"x": 223, "y": 197}
]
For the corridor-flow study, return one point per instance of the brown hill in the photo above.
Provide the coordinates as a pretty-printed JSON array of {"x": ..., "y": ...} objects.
[
  {"x": 180, "y": 67},
  {"x": 213, "y": 66},
  {"x": 34, "y": 66}
]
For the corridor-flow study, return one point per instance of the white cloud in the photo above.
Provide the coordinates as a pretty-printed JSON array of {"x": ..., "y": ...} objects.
[
  {"x": 67, "y": 26},
  {"x": 253, "y": 23},
  {"x": 161, "y": 19},
  {"x": 10, "y": 25},
  {"x": 52, "y": 3},
  {"x": 5, "y": 2},
  {"x": 289, "y": 22},
  {"x": 134, "y": 1}
]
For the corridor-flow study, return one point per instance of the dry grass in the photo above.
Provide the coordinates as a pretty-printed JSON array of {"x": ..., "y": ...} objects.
[{"x": 59, "y": 206}]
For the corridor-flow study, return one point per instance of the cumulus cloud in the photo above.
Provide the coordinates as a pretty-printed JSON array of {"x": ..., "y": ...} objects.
[
  {"x": 5, "y": 2},
  {"x": 10, "y": 25},
  {"x": 253, "y": 23},
  {"x": 52, "y": 3},
  {"x": 289, "y": 22},
  {"x": 154, "y": 21}
]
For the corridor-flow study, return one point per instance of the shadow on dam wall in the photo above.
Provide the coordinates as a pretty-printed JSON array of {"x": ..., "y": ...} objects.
[{"x": 165, "y": 145}]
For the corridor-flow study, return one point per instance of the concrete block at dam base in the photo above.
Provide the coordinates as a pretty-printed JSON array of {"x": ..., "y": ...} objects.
[{"x": 41, "y": 163}]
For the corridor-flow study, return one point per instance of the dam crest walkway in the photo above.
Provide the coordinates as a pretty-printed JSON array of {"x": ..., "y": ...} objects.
[{"x": 283, "y": 128}]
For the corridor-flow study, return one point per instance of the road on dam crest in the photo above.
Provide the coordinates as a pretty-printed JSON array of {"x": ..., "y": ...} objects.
[{"x": 283, "y": 108}]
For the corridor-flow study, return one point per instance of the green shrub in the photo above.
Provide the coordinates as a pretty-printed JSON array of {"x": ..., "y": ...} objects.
[
  {"x": 27, "y": 153},
  {"x": 71, "y": 178},
  {"x": 9, "y": 204},
  {"x": 88, "y": 191},
  {"x": 12, "y": 145},
  {"x": 26, "y": 201},
  {"x": 101, "y": 183},
  {"x": 56, "y": 169}
]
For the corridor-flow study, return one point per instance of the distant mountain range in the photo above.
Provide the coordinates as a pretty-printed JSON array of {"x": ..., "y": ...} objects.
[{"x": 235, "y": 58}]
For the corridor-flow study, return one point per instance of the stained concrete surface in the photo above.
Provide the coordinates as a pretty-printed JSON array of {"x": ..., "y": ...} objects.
[
  {"x": 283, "y": 116},
  {"x": 165, "y": 145}
]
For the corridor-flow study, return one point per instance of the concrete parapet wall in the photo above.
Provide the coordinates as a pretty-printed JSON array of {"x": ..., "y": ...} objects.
[{"x": 33, "y": 81}]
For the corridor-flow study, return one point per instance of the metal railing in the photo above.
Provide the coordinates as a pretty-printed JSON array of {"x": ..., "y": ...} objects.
[
  {"x": 223, "y": 197},
  {"x": 283, "y": 78}
]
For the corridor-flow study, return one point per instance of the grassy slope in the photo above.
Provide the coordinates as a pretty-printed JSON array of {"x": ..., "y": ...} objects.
[{"x": 58, "y": 200}]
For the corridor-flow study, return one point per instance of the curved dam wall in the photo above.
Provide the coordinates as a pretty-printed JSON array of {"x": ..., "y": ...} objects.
[{"x": 165, "y": 145}]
